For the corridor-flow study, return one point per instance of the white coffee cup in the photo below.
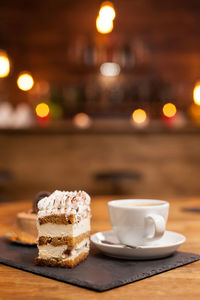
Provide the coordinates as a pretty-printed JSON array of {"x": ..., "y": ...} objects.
[{"x": 138, "y": 222}]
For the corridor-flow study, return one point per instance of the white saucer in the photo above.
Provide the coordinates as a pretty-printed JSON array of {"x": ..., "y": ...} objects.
[{"x": 166, "y": 246}]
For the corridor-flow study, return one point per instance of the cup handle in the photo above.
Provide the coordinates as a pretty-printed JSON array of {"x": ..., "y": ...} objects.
[{"x": 159, "y": 226}]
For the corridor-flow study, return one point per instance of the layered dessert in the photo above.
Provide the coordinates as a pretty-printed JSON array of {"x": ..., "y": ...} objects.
[
  {"x": 63, "y": 223},
  {"x": 26, "y": 229}
]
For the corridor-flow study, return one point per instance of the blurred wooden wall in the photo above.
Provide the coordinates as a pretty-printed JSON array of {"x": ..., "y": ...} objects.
[{"x": 168, "y": 162}]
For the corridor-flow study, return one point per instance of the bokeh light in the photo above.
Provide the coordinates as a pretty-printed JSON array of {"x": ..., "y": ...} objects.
[
  {"x": 42, "y": 88},
  {"x": 104, "y": 21},
  {"x": 4, "y": 64},
  {"x": 110, "y": 69},
  {"x": 107, "y": 11},
  {"x": 169, "y": 110},
  {"x": 194, "y": 112},
  {"x": 82, "y": 120},
  {"x": 56, "y": 110},
  {"x": 196, "y": 94},
  {"x": 139, "y": 116},
  {"x": 25, "y": 81},
  {"x": 104, "y": 25},
  {"x": 42, "y": 110}
]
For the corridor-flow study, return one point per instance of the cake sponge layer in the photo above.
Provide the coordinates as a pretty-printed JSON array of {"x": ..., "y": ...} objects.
[
  {"x": 57, "y": 219},
  {"x": 64, "y": 251},
  {"x": 63, "y": 255},
  {"x": 70, "y": 263},
  {"x": 65, "y": 240}
]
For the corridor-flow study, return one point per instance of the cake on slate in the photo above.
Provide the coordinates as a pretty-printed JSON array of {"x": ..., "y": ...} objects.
[
  {"x": 26, "y": 230},
  {"x": 63, "y": 223}
]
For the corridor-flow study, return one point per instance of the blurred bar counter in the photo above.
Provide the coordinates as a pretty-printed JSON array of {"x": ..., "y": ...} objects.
[
  {"x": 105, "y": 126},
  {"x": 165, "y": 160}
]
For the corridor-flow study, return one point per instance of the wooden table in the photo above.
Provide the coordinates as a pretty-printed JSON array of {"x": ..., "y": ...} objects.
[{"x": 181, "y": 283}]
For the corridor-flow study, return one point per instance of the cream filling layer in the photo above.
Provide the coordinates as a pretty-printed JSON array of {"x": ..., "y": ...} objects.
[
  {"x": 49, "y": 251},
  {"x": 61, "y": 230}
]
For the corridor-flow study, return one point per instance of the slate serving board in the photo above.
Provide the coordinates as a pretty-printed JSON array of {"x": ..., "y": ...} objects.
[{"x": 98, "y": 272}]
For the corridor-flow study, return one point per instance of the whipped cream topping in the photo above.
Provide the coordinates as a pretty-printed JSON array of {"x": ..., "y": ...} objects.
[{"x": 68, "y": 203}]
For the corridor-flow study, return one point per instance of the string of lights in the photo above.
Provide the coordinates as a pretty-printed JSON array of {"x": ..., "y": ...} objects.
[{"x": 109, "y": 69}]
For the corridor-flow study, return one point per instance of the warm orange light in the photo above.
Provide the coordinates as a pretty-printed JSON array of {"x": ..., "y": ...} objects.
[
  {"x": 25, "y": 81},
  {"x": 104, "y": 25},
  {"x": 169, "y": 110},
  {"x": 194, "y": 112},
  {"x": 107, "y": 11},
  {"x": 4, "y": 64},
  {"x": 196, "y": 94},
  {"x": 42, "y": 110},
  {"x": 82, "y": 120},
  {"x": 104, "y": 21},
  {"x": 139, "y": 116}
]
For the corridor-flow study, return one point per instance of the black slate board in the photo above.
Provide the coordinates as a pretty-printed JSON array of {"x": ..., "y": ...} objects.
[{"x": 98, "y": 272}]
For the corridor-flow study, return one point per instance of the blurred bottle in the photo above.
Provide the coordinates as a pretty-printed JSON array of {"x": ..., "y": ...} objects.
[
  {"x": 22, "y": 116},
  {"x": 6, "y": 115}
]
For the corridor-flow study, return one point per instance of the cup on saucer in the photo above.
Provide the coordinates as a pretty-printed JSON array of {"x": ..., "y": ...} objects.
[{"x": 138, "y": 222}]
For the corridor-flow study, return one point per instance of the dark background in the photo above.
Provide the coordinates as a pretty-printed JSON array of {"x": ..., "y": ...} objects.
[
  {"x": 56, "y": 42},
  {"x": 158, "y": 47}
]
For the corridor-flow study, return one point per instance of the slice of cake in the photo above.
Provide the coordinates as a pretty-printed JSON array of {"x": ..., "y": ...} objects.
[
  {"x": 25, "y": 230},
  {"x": 63, "y": 224}
]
